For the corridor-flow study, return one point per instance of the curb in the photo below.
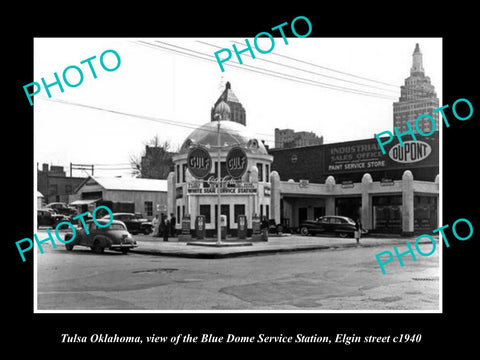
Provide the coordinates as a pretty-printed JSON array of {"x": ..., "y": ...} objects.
[
  {"x": 216, "y": 255},
  {"x": 259, "y": 252}
]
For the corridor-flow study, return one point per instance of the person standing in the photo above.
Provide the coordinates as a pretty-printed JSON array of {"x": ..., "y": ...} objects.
[
  {"x": 166, "y": 228},
  {"x": 173, "y": 221},
  {"x": 161, "y": 225},
  {"x": 155, "y": 224},
  {"x": 358, "y": 230},
  {"x": 264, "y": 228}
]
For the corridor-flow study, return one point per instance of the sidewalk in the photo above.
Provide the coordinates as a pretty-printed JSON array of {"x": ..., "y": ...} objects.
[{"x": 275, "y": 244}]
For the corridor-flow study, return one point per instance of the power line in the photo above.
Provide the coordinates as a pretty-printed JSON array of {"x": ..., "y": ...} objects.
[
  {"x": 269, "y": 72},
  {"x": 144, "y": 117},
  {"x": 327, "y": 68},
  {"x": 415, "y": 91},
  {"x": 282, "y": 75},
  {"x": 307, "y": 71}
]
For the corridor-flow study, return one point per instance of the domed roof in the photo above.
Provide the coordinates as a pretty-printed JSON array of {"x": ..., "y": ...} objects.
[{"x": 231, "y": 133}]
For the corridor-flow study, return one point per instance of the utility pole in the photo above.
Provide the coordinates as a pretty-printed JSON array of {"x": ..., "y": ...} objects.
[{"x": 219, "y": 200}]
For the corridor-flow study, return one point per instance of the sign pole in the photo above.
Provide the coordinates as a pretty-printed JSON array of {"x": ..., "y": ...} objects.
[{"x": 219, "y": 201}]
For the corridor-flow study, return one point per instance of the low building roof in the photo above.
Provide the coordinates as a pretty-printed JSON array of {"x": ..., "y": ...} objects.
[{"x": 132, "y": 184}]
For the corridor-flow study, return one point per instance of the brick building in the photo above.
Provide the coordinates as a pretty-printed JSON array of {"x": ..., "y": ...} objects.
[
  {"x": 53, "y": 183},
  {"x": 288, "y": 138}
]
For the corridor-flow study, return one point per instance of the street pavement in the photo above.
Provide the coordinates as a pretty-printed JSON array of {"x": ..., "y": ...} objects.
[{"x": 285, "y": 276}]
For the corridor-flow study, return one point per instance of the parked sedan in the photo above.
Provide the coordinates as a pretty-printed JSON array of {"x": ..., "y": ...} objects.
[
  {"x": 48, "y": 217},
  {"x": 134, "y": 224},
  {"x": 62, "y": 208},
  {"x": 113, "y": 237},
  {"x": 335, "y": 225}
]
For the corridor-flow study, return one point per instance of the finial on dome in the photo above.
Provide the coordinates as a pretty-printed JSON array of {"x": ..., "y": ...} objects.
[{"x": 222, "y": 110}]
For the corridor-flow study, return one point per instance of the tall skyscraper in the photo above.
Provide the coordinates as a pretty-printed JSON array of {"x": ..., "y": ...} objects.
[{"x": 417, "y": 97}]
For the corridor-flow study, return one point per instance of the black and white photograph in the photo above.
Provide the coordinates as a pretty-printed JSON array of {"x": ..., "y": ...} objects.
[{"x": 313, "y": 216}]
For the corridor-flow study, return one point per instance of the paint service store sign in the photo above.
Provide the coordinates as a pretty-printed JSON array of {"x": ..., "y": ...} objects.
[{"x": 365, "y": 155}]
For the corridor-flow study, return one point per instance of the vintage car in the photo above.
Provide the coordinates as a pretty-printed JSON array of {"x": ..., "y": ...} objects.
[
  {"x": 62, "y": 208},
  {"x": 332, "y": 225},
  {"x": 135, "y": 224},
  {"x": 48, "y": 217},
  {"x": 113, "y": 237}
]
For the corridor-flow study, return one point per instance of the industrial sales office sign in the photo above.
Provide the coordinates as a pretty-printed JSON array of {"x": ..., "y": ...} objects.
[{"x": 365, "y": 155}]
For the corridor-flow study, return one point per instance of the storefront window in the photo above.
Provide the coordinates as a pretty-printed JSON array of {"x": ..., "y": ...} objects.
[
  {"x": 425, "y": 212},
  {"x": 205, "y": 211},
  {"x": 238, "y": 209},
  {"x": 260, "y": 171},
  {"x": 184, "y": 172},
  {"x": 148, "y": 208},
  {"x": 387, "y": 213}
]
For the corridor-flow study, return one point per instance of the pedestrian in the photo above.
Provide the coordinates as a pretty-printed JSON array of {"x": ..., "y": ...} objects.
[
  {"x": 358, "y": 230},
  {"x": 155, "y": 224},
  {"x": 161, "y": 225},
  {"x": 166, "y": 229},
  {"x": 173, "y": 221},
  {"x": 264, "y": 228}
]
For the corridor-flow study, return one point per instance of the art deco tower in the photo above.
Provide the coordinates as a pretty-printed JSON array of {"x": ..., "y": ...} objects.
[
  {"x": 417, "y": 97},
  {"x": 237, "y": 111}
]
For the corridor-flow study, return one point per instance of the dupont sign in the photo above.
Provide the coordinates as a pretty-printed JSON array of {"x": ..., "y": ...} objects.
[{"x": 410, "y": 152}]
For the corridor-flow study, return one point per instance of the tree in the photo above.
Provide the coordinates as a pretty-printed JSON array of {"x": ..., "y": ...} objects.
[{"x": 155, "y": 162}]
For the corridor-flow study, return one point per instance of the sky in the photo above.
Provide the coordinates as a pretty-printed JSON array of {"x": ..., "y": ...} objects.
[{"x": 159, "y": 90}]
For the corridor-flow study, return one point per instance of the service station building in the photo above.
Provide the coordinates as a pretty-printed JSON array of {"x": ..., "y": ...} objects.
[{"x": 393, "y": 193}]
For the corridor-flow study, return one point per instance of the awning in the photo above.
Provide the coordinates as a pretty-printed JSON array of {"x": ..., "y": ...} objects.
[{"x": 84, "y": 202}]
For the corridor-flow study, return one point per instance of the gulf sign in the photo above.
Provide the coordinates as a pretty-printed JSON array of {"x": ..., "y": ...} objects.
[
  {"x": 236, "y": 162},
  {"x": 410, "y": 152},
  {"x": 199, "y": 162}
]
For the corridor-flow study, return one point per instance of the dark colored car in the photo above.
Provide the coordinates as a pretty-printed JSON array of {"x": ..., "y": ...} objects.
[
  {"x": 135, "y": 224},
  {"x": 330, "y": 224},
  {"x": 48, "y": 217},
  {"x": 113, "y": 237},
  {"x": 62, "y": 208}
]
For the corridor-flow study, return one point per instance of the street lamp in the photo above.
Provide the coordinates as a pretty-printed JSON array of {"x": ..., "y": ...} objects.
[
  {"x": 219, "y": 200},
  {"x": 222, "y": 112}
]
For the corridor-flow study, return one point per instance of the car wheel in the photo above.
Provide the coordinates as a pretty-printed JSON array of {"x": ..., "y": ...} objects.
[
  {"x": 97, "y": 248},
  {"x": 125, "y": 250},
  {"x": 304, "y": 231},
  {"x": 69, "y": 247},
  {"x": 146, "y": 231},
  {"x": 343, "y": 234}
]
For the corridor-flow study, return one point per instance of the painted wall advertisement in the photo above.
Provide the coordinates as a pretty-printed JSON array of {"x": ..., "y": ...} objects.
[{"x": 365, "y": 155}]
